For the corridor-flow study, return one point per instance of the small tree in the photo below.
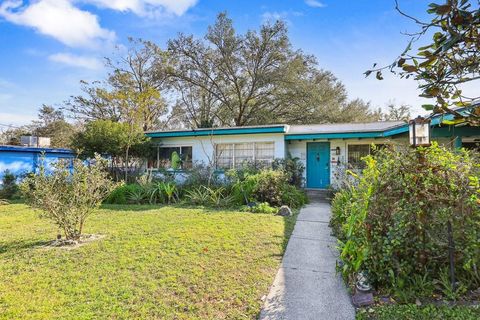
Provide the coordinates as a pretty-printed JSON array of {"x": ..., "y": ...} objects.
[
  {"x": 69, "y": 194},
  {"x": 9, "y": 186}
]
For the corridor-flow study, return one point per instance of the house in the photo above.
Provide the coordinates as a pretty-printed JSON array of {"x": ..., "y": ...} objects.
[
  {"x": 20, "y": 160},
  {"x": 324, "y": 148}
]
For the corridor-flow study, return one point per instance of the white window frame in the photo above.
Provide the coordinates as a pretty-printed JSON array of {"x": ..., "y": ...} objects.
[{"x": 233, "y": 151}]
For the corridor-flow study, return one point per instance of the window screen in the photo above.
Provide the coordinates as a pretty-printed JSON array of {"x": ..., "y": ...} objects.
[{"x": 234, "y": 155}]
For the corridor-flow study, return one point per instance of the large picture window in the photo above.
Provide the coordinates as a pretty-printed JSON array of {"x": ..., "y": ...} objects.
[
  {"x": 357, "y": 151},
  {"x": 234, "y": 155},
  {"x": 163, "y": 157}
]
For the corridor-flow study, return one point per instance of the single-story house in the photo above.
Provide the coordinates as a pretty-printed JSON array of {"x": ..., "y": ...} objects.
[
  {"x": 20, "y": 160},
  {"x": 323, "y": 148}
]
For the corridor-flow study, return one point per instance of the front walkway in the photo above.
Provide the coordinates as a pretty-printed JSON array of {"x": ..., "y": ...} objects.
[{"x": 306, "y": 285}]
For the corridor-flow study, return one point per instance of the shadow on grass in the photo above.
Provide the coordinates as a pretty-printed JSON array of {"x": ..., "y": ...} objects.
[
  {"x": 17, "y": 245},
  {"x": 152, "y": 207}
]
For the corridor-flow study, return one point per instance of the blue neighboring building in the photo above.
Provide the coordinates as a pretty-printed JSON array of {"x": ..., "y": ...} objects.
[{"x": 20, "y": 160}]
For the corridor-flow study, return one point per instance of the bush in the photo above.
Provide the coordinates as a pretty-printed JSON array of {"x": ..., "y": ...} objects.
[
  {"x": 122, "y": 194},
  {"x": 69, "y": 194},
  {"x": 293, "y": 197},
  {"x": 271, "y": 186},
  {"x": 394, "y": 223},
  {"x": 9, "y": 188},
  {"x": 266, "y": 186},
  {"x": 205, "y": 196},
  {"x": 263, "y": 207},
  {"x": 293, "y": 167}
]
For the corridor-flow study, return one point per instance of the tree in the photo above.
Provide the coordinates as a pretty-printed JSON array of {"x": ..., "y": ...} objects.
[
  {"x": 51, "y": 123},
  {"x": 400, "y": 113},
  {"x": 134, "y": 76},
  {"x": 69, "y": 194},
  {"x": 256, "y": 78},
  {"x": 447, "y": 61},
  {"x": 120, "y": 141}
]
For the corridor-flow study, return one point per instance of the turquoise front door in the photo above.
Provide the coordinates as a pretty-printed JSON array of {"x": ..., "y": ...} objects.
[{"x": 318, "y": 164}]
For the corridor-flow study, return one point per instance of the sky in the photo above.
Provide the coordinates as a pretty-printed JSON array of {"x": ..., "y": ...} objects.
[{"x": 48, "y": 46}]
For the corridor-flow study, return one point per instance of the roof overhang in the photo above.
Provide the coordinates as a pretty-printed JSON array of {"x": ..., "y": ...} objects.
[{"x": 218, "y": 131}]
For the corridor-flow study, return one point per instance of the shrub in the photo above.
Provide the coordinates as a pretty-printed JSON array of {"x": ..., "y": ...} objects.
[
  {"x": 216, "y": 197},
  {"x": 395, "y": 222},
  {"x": 263, "y": 207},
  {"x": 268, "y": 186},
  {"x": 176, "y": 161},
  {"x": 9, "y": 188},
  {"x": 271, "y": 186},
  {"x": 122, "y": 194},
  {"x": 69, "y": 194},
  {"x": 293, "y": 167},
  {"x": 201, "y": 175},
  {"x": 293, "y": 197}
]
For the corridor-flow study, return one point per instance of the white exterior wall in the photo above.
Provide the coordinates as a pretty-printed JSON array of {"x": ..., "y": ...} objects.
[
  {"x": 298, "y": 149},
  {"x": 203, "y": 147}
]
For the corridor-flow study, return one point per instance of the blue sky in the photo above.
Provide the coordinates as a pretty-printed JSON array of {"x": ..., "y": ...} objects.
[{"x": 48, "y": 46}]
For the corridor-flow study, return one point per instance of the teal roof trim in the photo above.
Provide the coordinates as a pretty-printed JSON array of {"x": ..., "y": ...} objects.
[{"x": 216, "y": 132}]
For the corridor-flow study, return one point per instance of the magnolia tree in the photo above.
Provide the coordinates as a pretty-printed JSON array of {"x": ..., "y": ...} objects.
[{"x": 68, "y": 194}]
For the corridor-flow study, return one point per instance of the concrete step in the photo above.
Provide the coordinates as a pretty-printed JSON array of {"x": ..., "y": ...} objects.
[{"x": 318, "y": 195}]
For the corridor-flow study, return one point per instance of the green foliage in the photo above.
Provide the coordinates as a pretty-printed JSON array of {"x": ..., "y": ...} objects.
[
  {"x": 69, "y": 194},
  {"x": 262, "y": 207},
  {"x": 120, "y": 195},
  {"x": 108, "y": 138},
  {"x": 293, "y": 197},
  {"x": 393, "y": 223},
  {"x": 445, "y": 62},
  {"x": 293, "y": 167},
  {"x": 267, "y": 185},
  {"x": 9, "y": 188},
  {"x": 176, "y": 161},
  {"x": 205, "y": 196},
  {"x": 414, "y": 312}
]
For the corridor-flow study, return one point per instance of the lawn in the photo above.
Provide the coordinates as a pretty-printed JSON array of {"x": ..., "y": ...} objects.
[
  {"x": 154, "y": 263},
  {"x": 413, "y": 312}
]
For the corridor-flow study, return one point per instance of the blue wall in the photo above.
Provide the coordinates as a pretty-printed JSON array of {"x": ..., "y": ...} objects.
[{"x": 20, "y": 160}]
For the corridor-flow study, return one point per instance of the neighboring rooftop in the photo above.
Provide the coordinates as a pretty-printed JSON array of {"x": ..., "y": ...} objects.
[
  {"x": 33, "y": 149},
  {"x": 344, "y": 127}
]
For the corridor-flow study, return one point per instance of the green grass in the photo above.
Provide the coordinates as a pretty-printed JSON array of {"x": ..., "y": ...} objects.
[
  {"x": 413, "y": 312},
  {"x": 155, "y": 263}
]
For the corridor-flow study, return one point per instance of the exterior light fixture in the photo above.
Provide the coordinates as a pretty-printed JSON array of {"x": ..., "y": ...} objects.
[
  {"x": 337, "y": 151},
  {"x": 419, "y": 132}
]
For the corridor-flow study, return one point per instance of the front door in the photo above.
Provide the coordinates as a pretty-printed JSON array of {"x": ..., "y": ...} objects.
[{"x": 318, "y": 164}]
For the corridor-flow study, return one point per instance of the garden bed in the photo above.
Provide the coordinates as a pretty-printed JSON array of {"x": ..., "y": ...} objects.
[{"x": 155, "y": 262}]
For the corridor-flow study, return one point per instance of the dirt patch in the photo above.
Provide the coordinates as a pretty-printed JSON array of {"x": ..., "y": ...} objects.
[{"x": 72, "y": 244}]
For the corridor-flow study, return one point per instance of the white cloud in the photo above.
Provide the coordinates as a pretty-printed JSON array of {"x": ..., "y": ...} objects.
[
  {"x": 315, "y": 3},
  {"x": 77, "y": 61},
  {"x": 58, "y": 19},
  {"x": 272, "y": 16},
  {"x": 146, "y": 7},
  {"x": 15, "y": 166}
]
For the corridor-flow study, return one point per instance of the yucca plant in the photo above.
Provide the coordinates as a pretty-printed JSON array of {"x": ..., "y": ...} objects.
[
  {"x": 198, "y": 196},
  {"x": 156, "y": 193},
  {"x": 137, "y": 195},
  {"x": 170, "y": 191}
]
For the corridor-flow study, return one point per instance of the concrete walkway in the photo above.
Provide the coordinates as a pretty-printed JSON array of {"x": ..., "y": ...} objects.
[{"x": 306, "y": 286}]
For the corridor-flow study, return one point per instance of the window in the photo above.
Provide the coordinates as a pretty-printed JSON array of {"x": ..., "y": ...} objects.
[
  {"x": 357, "y": 151},
  {"x": 233, "y": 155},
  {"x": 163, "y": 156}
]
